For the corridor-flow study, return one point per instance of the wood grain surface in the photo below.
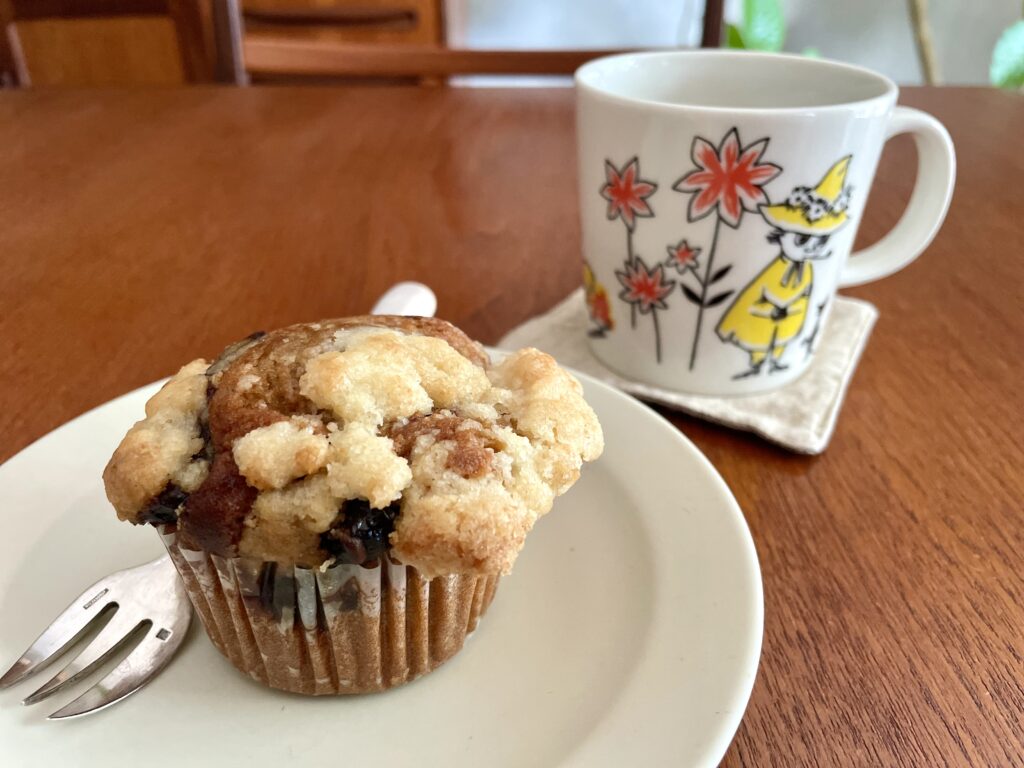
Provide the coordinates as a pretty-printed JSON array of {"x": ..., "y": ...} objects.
[{"x": 143, "y": 228}]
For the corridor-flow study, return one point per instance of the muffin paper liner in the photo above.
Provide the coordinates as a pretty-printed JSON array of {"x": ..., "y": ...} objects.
[{"x": 344, "y": 629}]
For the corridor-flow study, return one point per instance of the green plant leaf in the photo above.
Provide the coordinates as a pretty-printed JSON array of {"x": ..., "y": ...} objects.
[
  {"x": 1007, "y": 70},
  {"x": 733, "y": 38},
  {"x": 764, "y": 28},
  {"x": 811, "y": 52}
]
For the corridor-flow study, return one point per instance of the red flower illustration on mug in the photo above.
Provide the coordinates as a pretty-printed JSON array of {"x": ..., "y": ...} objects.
[
  {"x": 683, "y": 257},
  {"x": 728, "y": 178},
  {"x": 645, "y": 288},
  {"x": 627, "y": 193}
]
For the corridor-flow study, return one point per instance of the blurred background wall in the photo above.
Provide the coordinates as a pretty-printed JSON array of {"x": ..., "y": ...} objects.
[{"x": 875, "y": 33}]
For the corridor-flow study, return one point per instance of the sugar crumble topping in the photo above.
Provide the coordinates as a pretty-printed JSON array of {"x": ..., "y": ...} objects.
[
  {"x": 161, "y": 448},
  {"x": 271, "y": 457},
  {"x": 472, "y": 454}
]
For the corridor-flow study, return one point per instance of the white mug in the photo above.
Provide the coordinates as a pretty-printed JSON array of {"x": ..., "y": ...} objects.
[{"x": 720, "y": 193}]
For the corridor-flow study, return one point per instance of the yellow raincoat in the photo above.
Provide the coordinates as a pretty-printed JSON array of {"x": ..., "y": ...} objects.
[{"x": 755, "y": 323}]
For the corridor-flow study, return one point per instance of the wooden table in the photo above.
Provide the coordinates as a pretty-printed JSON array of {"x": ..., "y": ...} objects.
[{"x": 142, "y": 228}]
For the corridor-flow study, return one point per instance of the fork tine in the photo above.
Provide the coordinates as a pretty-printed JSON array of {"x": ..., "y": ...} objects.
[
  {"x": 110, "y": 638},
  {"x": 138, "y": 668},
  {"x": 65, "y": 629}
]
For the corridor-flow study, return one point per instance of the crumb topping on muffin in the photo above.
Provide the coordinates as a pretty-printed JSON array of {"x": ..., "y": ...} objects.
[
  {"x": 163, "y": 449},
  {"x": 271, "y": 457},
  {"x": 348, "y": 439}
]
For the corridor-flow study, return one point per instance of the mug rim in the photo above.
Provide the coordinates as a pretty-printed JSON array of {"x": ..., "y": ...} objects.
[{"x": 890, "y": 90}]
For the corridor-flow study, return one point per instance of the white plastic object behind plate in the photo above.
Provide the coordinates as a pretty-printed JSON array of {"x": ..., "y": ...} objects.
[
  {"x": 629, "y": 633},
  {"x": 409, "y": 298}
]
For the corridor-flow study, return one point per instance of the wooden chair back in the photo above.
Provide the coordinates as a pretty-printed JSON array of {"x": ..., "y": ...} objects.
[
  {"x": 254, "y": 43},
  {"x": 105, "y": 42}
]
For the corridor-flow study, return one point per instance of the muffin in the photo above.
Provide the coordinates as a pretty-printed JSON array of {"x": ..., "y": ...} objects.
[{"x": 342, "y": 497}]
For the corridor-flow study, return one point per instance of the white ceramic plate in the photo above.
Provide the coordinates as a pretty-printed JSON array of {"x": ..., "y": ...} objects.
[{"x": 629, "y": 633}]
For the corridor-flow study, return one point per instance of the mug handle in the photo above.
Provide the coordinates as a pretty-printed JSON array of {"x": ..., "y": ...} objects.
[{"x": 936, "y": 172}]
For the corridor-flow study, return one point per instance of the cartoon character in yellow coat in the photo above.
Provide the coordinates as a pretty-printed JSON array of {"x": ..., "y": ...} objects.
[{"x": 771, "y": 310}]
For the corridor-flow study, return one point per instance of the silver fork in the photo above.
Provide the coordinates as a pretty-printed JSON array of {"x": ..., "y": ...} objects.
[
  {"x": 148, "y": 595},
  {"x": 148, "y": 598}
]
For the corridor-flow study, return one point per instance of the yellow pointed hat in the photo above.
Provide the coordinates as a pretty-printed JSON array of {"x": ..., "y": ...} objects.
[{"x": 817, "y": 211}]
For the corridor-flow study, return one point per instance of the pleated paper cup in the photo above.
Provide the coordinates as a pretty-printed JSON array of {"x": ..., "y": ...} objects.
[{"x": 344, "y": 629}]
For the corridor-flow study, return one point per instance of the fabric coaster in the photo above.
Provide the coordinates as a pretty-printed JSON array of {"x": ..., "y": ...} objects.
[{"x": 800, "y": 416}]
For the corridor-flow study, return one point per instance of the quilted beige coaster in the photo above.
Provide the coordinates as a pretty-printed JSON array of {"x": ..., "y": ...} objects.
[{"x": 800, "y": 416}]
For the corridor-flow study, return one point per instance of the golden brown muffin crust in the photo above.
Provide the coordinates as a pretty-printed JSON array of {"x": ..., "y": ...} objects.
[
  {"x": 348, "y": 438},
  {"x": 473, "y": 449},
  {"x": 260, "y": 386}
]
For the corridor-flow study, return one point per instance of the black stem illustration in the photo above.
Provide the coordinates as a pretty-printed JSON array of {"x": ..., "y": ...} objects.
[
  {"x": 630, "y": 258},
  {"x": 704, "y": 292},
  {"x": 657, "y": 334}
]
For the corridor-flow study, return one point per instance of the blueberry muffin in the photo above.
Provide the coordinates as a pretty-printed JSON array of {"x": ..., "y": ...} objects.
[{"x": 342, "y": 497}]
